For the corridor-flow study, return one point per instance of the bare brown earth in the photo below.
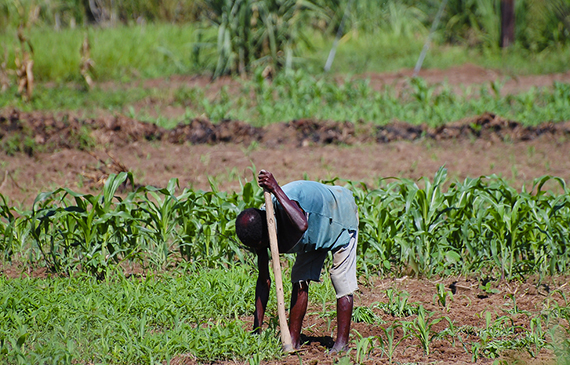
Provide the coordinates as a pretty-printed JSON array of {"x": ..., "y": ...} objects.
[
  {"x": 228, "y": 151},
  {"x": 467, "y": 309},
  {"x": 199, "y": 151}
]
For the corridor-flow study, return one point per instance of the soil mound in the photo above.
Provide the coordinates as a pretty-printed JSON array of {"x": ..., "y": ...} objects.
[
  {"x": 202, "y": 130},
  {"x": 22, "y": 132}
]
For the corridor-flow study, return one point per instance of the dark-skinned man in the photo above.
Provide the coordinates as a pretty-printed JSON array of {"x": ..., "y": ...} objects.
[{"x": 312, "y": 220}]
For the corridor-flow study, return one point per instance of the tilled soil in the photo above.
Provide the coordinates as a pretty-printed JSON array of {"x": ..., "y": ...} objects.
[
  {"x": 467, "y": 309},
  {"x": 225, "y": 152},
  {"x": 54, "y": 132}
]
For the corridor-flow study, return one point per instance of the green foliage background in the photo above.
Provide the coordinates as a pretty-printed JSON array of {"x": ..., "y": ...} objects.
[{"x": 236, "y": 36}]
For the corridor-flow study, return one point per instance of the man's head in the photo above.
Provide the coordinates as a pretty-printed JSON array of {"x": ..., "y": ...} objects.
[{"x": 251, "y": 228}]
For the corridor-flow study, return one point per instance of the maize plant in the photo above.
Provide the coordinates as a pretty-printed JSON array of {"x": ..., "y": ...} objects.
[
  {"x": 483, "y": 221},
  {"x": 481, "y": 224}
]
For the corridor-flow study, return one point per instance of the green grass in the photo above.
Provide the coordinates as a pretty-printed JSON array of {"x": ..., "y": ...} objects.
[
  {"x": 124, "y": 53},
  {"x": 146, "y": 319},
  {"x": 361, "y": 53},
  {"x": 64, "y": 97},
  {"x": 120, "y": 53}
]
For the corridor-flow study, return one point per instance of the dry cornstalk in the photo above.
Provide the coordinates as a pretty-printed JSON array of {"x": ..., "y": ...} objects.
[
  {"x": 24, "y": 66},
  {"x": 5, "y": 73},
  {"x": 87, "y": 64}
]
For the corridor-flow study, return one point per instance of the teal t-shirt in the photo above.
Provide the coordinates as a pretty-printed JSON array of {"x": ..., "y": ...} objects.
[{"x": 331, "y": 211}]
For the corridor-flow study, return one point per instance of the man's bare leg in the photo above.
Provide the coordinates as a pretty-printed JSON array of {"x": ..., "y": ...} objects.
[
  {"x": 343, "y": 317},
  {"x": 299, "y": 301}
]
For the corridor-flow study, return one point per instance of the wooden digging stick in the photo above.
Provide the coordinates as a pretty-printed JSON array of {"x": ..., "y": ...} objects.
[{"x": 285, "y": 334}]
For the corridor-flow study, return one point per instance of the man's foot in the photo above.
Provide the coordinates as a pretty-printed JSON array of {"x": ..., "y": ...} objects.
[
  {"x": 290, "y": 348},
  {"x": 338, "y": 347}
]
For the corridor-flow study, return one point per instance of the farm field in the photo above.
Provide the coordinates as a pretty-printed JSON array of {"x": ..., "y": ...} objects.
[
  {"x": 132, "y": 132},
  {"x": 468, "y": 317}
]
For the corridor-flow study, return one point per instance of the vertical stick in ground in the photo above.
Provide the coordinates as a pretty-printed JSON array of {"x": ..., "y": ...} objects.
[{"x": 285, "y": 334}]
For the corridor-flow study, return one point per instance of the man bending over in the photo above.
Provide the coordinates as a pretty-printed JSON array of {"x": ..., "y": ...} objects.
[{"x": 312, "y": 219}]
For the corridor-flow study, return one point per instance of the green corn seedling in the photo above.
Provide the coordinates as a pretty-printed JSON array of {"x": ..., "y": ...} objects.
[
  {"x": 442, "y": 295},
  {"x": 421, "y": 328}
]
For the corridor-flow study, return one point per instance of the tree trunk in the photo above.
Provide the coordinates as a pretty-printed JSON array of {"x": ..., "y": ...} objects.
[{"x": 507, "y": 23}]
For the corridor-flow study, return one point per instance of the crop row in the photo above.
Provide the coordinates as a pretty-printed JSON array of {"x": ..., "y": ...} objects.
[
  {"x": 419, "y": 227},
  {"x": 299, "y": 95},
  {"x": 480, "y": 224}
]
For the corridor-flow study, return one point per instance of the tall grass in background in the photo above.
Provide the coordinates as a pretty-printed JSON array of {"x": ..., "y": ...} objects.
[
  {"x": 59, "y": 14},
  {"x": 540, "y": 23},
  {"x": 120, "y": 53},
  {"x": 238, "y": 35},
  {"x": 254, "y": 33},
  {"x": 375, "y": 17},
  {"x": 161, "y": 50}
]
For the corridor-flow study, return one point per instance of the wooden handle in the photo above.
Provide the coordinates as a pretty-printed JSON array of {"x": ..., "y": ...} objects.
[{"x": 285, "y": 334}]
